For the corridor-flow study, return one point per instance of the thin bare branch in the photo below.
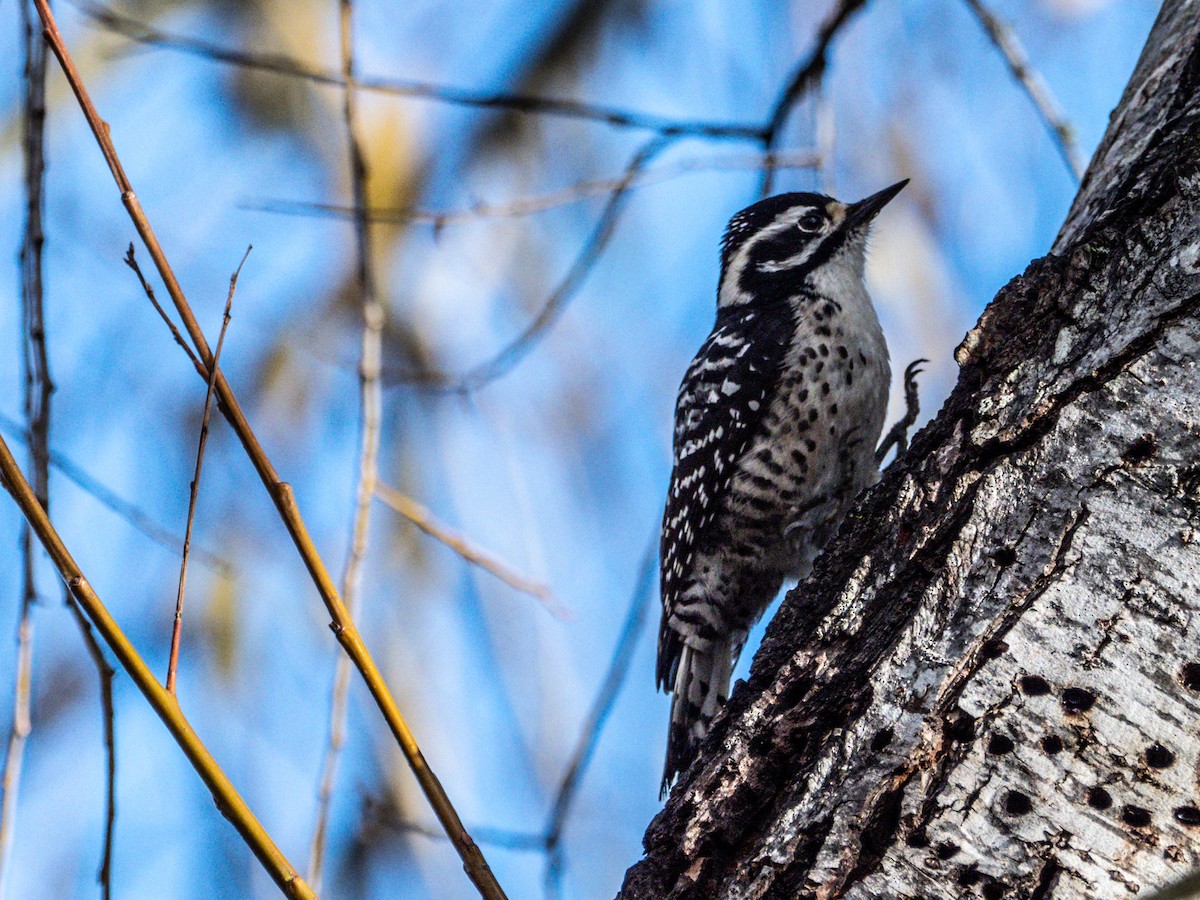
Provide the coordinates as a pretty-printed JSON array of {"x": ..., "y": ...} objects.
[
  {"x": 420, "y": 516},
  {"x": 515, "y": 350},
  {"x": 1048, "y": 108},
  {"x": 108, "y": 715},
  {"x": 194, "y": 490},
  {"x": 370, "y": 412},
  {"x": 618, "y": 669},
  {"x": 136, "y": 518},
  {"x": 384, "y": 814},
  {"x": 38, "y": 385},
  {"x": 131, "y": 261},
  {"x": 539, "y": 203},
  {"x": 21, "y": 724},
  {"x": 230, "y": 803},
  {"x": 38, "y": 390},
  {"x": 547, "y": 106},
  {"x": 280, "y": 491},
  {"x": 806, "y": 75},
  {"x": 503, "y": 361}
]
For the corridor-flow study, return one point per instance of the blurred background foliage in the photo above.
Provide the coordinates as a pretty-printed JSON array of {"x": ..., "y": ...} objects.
[{"x": 558, "y": 467}]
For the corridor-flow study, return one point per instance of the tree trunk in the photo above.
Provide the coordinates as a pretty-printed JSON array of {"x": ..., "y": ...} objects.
[{"x": 990, "y": 686}]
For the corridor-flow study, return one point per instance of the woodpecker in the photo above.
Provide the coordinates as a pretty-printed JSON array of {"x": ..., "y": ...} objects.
[{"x": 776, "y": 427}]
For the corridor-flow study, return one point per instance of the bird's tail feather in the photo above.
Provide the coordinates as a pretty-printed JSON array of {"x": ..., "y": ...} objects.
[{"x": 700, "y": 687}]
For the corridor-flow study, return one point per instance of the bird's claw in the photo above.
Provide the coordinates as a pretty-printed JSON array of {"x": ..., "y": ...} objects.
[{"x": 898, "y": 436}]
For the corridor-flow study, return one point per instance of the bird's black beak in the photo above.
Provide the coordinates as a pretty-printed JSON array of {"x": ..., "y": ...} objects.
[{"x": 862, "y": 212}]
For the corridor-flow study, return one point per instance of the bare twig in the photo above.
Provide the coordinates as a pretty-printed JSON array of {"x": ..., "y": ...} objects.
[
  {"x": 231, "y": 804},
  {"x": 136, "y": 518},
  {"x": 527, "y": 206},
  {"x": 1031, "y": 81},
  {"x": 420, "y": 516},
  {"x": 618, "y": 669},
  {"x": 38, "y": 390},
  {"x": 503, "y": 361},
  {"x": 280, "y": 491},
  {"x": 807, "y": 74},
  {"x": 385, "y": 814},
  {"x": 370, "y": 411},
  {"x": 546, "y": 106},
  {"x": 131, "y": 261},
  {"x": 108, "y": 715},
  {"x": 194, "y": 490},
  {"x": 515, "y": 350},
  {"x": 21, "y": 724}
]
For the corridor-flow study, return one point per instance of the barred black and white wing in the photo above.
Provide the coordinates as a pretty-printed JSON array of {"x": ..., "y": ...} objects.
[{"x": 721, "y": 405}]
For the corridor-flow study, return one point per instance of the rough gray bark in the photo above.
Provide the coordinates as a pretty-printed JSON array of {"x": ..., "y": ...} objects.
[{"x": 990, "y": 686}]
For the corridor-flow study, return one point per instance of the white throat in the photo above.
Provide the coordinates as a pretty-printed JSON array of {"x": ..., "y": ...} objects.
[{"x": 841, "y": 279}]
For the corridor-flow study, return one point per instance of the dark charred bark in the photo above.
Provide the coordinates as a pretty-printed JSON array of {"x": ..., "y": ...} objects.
[{"x": 990, "y": 686}]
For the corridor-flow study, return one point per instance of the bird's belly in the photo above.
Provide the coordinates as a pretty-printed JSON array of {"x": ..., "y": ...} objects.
[{"x": 814, "y": 453}]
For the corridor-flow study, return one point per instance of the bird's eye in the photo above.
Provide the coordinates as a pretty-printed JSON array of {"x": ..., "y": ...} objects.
[{"x": 811, "y": 221}]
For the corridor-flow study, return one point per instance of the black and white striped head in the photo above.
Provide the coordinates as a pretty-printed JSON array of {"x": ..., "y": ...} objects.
[{"x": 789, "y": 240}]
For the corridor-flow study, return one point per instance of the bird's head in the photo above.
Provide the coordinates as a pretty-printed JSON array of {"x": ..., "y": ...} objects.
[{"x": 792, "y": 240}]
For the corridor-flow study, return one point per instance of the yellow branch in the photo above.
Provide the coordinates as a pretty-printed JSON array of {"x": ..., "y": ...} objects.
[{"x": 228, "y": 801}]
